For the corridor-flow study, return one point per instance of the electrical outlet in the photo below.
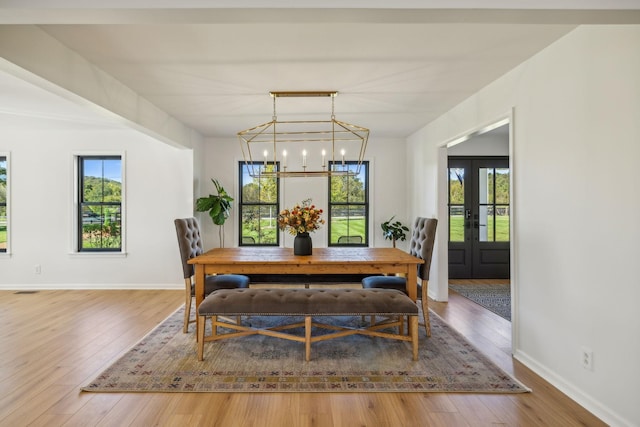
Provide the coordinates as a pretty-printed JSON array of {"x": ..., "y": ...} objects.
[
  {"x": 587, "y": 358},
  {"x": 37, "y": 269}
]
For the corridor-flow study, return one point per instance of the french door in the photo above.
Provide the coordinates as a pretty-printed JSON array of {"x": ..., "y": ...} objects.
[{"x": 479, "y": 219}]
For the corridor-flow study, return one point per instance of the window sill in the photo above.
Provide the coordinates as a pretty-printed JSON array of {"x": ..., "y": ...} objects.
[{"x": 98, "y": 254}]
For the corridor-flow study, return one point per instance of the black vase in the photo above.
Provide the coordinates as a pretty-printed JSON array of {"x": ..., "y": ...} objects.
[{"x": 302, "y": 244}]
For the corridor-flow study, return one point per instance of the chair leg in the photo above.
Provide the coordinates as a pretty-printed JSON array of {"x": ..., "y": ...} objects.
[
  {"x": 201, "y": 339},
  {"x": 425, "y": 306},
  {"x": 413, "y": 332},
  {"x": 187, "y": 306}
]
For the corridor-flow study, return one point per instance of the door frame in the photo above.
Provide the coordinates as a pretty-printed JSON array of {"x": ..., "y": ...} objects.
[{"x": 443, "y": 200}]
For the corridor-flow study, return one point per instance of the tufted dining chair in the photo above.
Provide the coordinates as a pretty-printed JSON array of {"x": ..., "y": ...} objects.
[
  {"x": 421, "y": 246},
  {"x": 190, "y": 245}
]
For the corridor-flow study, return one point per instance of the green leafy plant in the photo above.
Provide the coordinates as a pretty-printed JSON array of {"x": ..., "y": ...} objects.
[
  {"x": 218, "y": 206},
  {"x": 394, "y": 230}
]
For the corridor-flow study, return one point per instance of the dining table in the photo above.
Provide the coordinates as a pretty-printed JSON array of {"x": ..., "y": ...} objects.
[{"x": 278, "y": 261}]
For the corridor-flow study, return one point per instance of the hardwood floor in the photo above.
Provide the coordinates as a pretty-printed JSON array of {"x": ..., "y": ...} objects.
[{"x": 53, "y": 342}]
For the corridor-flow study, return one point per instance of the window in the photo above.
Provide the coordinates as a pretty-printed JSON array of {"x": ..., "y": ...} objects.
[
  {"x": 3, "y": 203},
  {"x": 99, "y": 203},
  {"x": 349, "y": 206},
  {"x": 259, "y": 207}
]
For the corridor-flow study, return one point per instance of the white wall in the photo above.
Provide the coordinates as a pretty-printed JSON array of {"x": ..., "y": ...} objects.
[
  {"x": 159, "y": 188},
  {"x": 575, "y": 150},
  {"x": 387, "y": 184},
  {"x": 487, "y": 144}
]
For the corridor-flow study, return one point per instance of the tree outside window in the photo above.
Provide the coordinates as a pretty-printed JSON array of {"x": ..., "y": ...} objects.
[
  {"x": 100, "y": 203},
  {"x": 259, "y": 207},
  {"x": 349, "y": 205}
]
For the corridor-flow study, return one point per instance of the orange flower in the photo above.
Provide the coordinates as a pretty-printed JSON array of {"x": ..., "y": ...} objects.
[{"x": 302, "y": 218}]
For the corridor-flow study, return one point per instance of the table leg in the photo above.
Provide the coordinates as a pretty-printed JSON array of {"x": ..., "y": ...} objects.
[
  {"x": 412, "y": 282},
  {"x": 199, "y": 291},
  {"x": 307, "y": 338}
]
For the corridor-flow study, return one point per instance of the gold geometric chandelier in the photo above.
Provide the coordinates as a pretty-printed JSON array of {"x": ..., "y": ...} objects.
[{"x": 303, "y": 148}]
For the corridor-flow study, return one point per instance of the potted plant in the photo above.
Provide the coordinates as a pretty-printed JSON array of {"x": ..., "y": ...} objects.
[
  {"x": 394, "y": 230},
  {"x": 219, "y": 207}
]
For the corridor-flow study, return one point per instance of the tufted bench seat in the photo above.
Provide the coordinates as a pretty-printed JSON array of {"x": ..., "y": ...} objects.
[{"x": 308, "y": 303}]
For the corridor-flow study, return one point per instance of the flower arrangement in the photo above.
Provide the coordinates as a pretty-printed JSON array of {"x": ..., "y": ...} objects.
[{"x": 302, "y": 218}]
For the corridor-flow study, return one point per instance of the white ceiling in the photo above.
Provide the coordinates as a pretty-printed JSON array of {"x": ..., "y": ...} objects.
[{"x": 212, "y": 69}]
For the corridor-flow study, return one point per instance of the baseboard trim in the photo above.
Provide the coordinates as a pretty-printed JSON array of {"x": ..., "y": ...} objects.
[
  {"x": 586, "y": 401},
  {"x": 89, "y": 286}
]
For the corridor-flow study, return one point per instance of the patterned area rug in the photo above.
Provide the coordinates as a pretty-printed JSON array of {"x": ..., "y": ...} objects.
[
  {"x": 166, "y": 361},
  {"x": 494, "y": 297}
]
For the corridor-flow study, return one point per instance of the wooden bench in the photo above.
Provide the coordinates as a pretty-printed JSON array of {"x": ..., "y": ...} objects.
[{"x": 309, "y": 303}]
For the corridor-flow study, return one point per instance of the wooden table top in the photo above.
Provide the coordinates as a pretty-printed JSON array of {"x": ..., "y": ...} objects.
[{"x": 332, "y": 255}]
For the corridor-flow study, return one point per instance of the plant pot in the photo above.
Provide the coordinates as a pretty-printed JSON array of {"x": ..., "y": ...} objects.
[{"x": 302, "y": 244}]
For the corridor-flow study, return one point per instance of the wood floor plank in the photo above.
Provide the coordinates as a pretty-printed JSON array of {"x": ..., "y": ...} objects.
[
  {"x": 44, "y": 360},
  {"x": 125, "y": 411},
  {"x": 475, "y": 412}
]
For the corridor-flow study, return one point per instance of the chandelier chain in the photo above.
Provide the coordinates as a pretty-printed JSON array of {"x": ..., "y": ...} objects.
[
  {"x": 274, "y": 117},
  {"x": 333, "y": 103}
]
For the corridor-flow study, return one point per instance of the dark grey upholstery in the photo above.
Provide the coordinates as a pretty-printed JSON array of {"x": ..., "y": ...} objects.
[
  {"x": 385, "y": 282},
  {"x": 190, "y": 245},
  {"x": 309, "y": 302},
  {"x": 421, "y": 246}
]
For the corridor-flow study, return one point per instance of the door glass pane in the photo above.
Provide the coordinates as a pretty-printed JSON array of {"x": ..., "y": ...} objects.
[
  {"x": 485, "y": 223},
  {"x": 502, "y": 186},
  {"x": 493, "y": 220},
  {"x": 456, "y": 205},
  {"x": 456, "y": 186},
  {"x": 456, "y": 224},
  {"x": 485, "y": 185},
  {"x": 502, "y": 223}
]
